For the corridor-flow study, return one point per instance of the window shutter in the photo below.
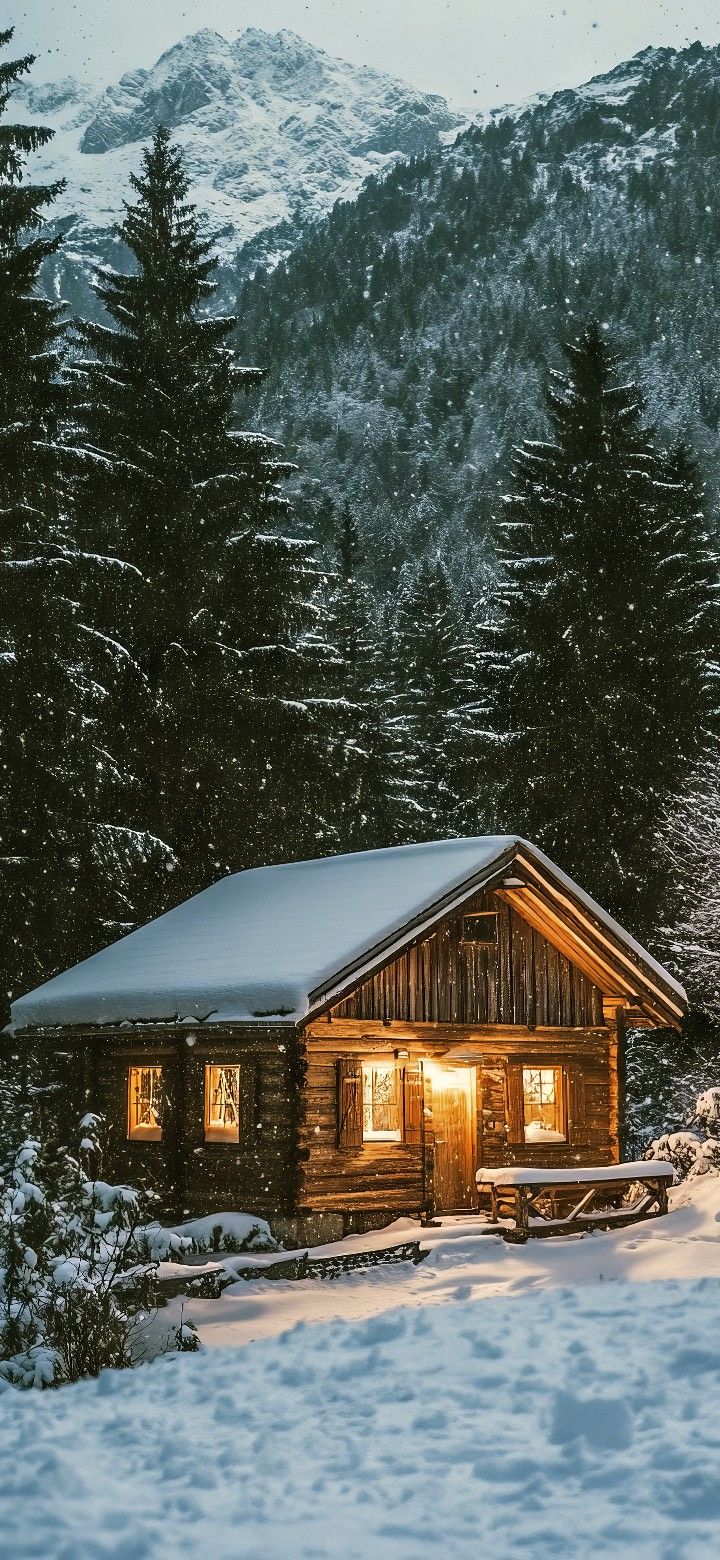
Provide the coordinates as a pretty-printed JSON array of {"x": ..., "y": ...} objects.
[
  {"x": 350, "y": 1104},
  {"x": 414, "y": 1103},
  {"x": 575, "y": 1098},
  {"x": 249, "y": 1102},
  {"x": 515, "y": 1104}
]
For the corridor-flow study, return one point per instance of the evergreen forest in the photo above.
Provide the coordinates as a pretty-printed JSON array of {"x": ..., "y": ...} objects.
[{"x": 441, "y": 561}]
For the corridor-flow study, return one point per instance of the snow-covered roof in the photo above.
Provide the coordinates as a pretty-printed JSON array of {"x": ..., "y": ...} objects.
[{"x": 279, "y": 941}]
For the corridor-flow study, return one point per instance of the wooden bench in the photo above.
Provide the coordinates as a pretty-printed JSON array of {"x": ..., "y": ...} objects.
[{"x": 522, "y": 1193}]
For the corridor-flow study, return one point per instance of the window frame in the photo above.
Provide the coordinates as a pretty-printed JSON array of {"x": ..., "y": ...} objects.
[
  {"x": 561, "y": 1105},
  {"x": 490, "y": 917},
  {"x": 216, "y": 1137},
  {"x": 390, "y": 1136},
  {"x": 135, "y": 1132}
]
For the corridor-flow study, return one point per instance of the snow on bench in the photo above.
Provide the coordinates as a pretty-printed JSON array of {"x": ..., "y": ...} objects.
[
  {"x": 535, "y": 1175},
  {"x": 522, "y": 1193}
]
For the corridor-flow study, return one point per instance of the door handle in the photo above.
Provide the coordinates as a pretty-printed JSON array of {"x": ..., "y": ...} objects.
[{"x": 439, "y": 1142}]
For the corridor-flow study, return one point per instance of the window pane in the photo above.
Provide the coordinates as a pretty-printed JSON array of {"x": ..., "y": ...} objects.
[
  {"x": 542, "y": 1101},
  {"x": 222, "y": 1104},
  {"x": 480, "y": 928},
  {"x": 145, "y": 1103},
  {"x": 381, "y": 1101}
]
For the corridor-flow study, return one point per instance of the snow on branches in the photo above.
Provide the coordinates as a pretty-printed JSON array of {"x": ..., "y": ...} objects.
[
  {"x": 74, "y": 1286},
  {"x": 689, "y": 1154},
  {"x": 690, "y": 841}
]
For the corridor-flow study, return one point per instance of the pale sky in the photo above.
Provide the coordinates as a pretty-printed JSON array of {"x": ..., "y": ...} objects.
[{"x": 477, "y": 53}]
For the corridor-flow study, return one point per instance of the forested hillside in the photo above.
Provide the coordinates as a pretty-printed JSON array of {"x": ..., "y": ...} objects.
[
  {"x": 408, "y": 335},
  {"x": 437, "y": 639}
]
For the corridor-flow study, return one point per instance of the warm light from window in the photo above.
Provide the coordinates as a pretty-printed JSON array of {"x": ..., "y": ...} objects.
[
  {"x": 222, "y": 1104},
  {"x": 145, "y": 1103},
  {"x": 381, "y": 1102},
  {"x": 542, "y": 1104},
  {"x": 444, "y": 1079}
]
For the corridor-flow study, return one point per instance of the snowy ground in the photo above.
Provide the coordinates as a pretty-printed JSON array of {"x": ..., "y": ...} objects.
[{"x": 556, "y": 1399}]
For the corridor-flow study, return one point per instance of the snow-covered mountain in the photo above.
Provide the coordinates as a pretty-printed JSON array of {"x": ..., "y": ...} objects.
[
  {"x": 274, "y": 131},
  {"x": 421, "y": 320}
]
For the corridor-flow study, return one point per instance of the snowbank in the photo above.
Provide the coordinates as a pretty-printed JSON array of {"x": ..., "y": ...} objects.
[
  {"x": 510, "y": 1428},
  {"x": 553, "y": 1399},
  {"x": 214, "y": 1232}
]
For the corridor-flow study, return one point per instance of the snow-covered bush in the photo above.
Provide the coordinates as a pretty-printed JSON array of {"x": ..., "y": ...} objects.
[
  {"x": 678, "y": 1149},
  {"x": 707, "y": 1112},
  {"x": 690, "y": 1154},
  {"x": 215, "y": 1232},
  {"x": 73, "y": 1285}
]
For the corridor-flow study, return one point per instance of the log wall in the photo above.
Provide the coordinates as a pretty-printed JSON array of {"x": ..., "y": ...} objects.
[
  {"x": 380, "y": 1177},
  {"x": 515, "y": 1000},
  {"x": 260, "y": 1173},
  {"x": 392, "y": 1178}
]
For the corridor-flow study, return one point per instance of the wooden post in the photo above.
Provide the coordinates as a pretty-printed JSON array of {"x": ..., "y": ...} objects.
[
  {"x": 523, "y": 1212},
  {"x": 91, "y": 1068},
  {"x": 622, "y": 1080},
  {"x": 179, "y": 1096},
  {"x": 612, "y": 1013}
]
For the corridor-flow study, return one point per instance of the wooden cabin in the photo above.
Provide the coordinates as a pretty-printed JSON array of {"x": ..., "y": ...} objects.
[{"x": 333, "y": 1043}]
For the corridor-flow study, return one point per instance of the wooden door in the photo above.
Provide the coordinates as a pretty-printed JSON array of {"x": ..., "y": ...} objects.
[{"x": 453, "y": 1118}]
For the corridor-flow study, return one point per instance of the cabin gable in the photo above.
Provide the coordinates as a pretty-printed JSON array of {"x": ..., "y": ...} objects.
[{"x": 513, "y": 973}]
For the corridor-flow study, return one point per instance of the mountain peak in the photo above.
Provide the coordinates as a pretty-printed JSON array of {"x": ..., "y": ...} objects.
[
  {"x": 273, "y": 131},
  {"x": 276, "y": 42}
]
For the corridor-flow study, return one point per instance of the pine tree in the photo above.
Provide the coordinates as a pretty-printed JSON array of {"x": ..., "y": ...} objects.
[
  {"x": 604, "y": 684},
  {"x": 363, "y": 810},
  {"x": 53, "y": 752},
  {"x": 438, "y": 711},
  {"x": 689, "y": 841},
  {"x": 212, "y": 606}
]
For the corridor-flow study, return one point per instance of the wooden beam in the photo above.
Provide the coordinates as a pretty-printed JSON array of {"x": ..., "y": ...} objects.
[
  {"x": 622, "y": 1078},
  {"x": 395, "y": 1032},
  {"x": 579, "y": 914},
  {"x": 614, "y": 1091},
  {"x": 534, "y": 909}
]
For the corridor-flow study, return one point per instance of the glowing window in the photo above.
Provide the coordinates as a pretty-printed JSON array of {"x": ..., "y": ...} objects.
[
  {"x": 381, "y": 1102},
  {"x": 543, "y": 1105},
  {"x": 145, "y": 1103},
  {"x": 222, "y": 1104}
]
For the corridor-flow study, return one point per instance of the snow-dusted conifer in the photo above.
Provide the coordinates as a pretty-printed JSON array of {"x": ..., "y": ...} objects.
[
  {"x": 74, "y": 1282},
  {"x": 690, "y": 1154},
  {"x": 54, "y": 759},
  {"x": 608, "y": 597},
  {"x": 362, "y": 760},
  {"x": 438, "y": 709},
  {"x": 689, "y": 841},
  {"x": 212, "y": 604}
]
